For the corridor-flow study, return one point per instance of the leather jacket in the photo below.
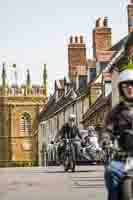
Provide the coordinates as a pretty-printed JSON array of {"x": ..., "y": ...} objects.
[
  {"x": 119, "y": 123},
  {"x": 68, "y": 132}
]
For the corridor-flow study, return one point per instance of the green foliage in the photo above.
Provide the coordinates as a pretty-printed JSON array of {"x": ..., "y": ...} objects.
[{"x": 129, "y": 65}]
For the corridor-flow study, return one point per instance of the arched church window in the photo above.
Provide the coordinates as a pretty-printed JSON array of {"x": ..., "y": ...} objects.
[{"x": 25, "y": 125}]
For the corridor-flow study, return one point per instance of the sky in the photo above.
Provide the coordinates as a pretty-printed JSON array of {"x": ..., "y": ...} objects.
[{"x": 34, "y": 32}]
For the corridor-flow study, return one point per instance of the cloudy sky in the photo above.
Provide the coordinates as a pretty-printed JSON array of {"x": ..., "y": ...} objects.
[{"x": 33, "y": 32}]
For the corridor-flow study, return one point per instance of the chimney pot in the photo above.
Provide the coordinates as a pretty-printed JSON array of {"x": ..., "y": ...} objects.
[
  {"x": 81, "y": 39},
  {"x": 105, "y": 22},
  {"x": 102, "y": 36},
  {"x": 130, "y": 1},
  {"x": 98, "y": 22},
  {"x": 76, "y": 39},
  {"x": 71, "y": 39},
  {"x": 130, "y": 16}
]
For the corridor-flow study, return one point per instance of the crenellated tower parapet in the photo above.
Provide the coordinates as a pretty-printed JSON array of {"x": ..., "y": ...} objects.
[
  {"x": 13, "y": 90},
  {"x": 26, "y": 89}
]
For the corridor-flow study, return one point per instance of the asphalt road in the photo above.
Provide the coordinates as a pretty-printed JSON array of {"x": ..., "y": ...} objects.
[{"x": 52, "y": 183}]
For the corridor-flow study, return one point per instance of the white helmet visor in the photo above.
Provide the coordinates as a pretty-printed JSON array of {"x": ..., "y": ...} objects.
[{"x": 126, "y": 75}]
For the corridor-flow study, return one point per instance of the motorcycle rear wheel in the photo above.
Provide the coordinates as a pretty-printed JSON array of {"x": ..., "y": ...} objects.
[{"x": 127, "y": 189}]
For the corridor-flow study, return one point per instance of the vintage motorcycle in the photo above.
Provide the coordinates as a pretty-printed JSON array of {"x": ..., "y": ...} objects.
[
  {"x": 108, "y": 151},
  {"x": 69, "y": 157},
  {"x": 126, "y": 183}
]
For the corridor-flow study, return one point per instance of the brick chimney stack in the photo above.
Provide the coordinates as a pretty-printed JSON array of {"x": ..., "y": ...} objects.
[
  {"x": 130, "y": 15},
  {"x": 76, "y": 56},
  {"x": 102, "y": 36}
]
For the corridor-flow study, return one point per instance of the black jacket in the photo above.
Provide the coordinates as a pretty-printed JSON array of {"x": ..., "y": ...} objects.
[
  {"x": 68, "y": 132},
  {"x": 119, "y": 123}
]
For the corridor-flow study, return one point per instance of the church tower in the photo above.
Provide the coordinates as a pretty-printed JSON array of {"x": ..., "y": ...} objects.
[{"x": 19, "y": 110}]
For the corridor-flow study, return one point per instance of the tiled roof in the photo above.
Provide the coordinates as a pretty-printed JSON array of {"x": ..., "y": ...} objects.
[
  {"x": 119, "y": 44},
  {"x": 47, "y": 106},
  {"x": 99, "y": 103},
  {"x": 53, "y": 105},
  {"x": 120, "y": 48},
  {"x": 60, "y": 83}
]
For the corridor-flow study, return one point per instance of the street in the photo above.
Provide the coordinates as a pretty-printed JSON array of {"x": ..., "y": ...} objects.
[{"x": 52, "y": 183}]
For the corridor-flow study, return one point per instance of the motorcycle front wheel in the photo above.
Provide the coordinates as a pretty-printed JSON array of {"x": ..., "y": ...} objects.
[
  {"x": 66, "y": 163},
  {"x": 127, "y": 189},
  {"x": 72, "y": 164},
  {"x": 73, "y": 160}
]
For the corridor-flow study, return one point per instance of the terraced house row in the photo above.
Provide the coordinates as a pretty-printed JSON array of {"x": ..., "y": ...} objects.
[
  {"x": 29, "y": 120},
  {"x": 89, "y": 90}
]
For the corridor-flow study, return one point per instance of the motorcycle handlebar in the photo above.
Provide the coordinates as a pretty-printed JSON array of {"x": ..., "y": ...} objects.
[{"x": 64, "y": 139}]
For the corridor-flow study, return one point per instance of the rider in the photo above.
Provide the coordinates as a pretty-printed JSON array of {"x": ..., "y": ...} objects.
[
  {"x": 90, "y": 144},
  {"x": 93, "y": 137},
  {"x": 69, "y": 130},
  {"x": 119, "y": 123}
]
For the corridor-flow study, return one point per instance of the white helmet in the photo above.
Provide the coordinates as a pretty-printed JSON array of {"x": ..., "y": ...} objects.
[
  {"x": 125, "y": 76},
  {"x": 91, "y": 128},
  {"x": 91, "y": 131},
  {"x": 72, "y": 117}
]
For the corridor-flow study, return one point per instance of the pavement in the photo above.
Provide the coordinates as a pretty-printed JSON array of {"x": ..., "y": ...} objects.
[{"x": 52, "y": 183}]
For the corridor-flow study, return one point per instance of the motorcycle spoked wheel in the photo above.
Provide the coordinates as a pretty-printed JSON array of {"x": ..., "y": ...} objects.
[
  {"x": 72, "y": 165},
  {"x": 127, "y": 189},
  {"x": 66, "y": 163}
]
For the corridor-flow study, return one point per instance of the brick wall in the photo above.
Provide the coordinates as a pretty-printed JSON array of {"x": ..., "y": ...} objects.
[
  {"x": 76, "y": 55},
  {"x": 102, "y": 36},
  {"x": 130, "y": 16}
]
